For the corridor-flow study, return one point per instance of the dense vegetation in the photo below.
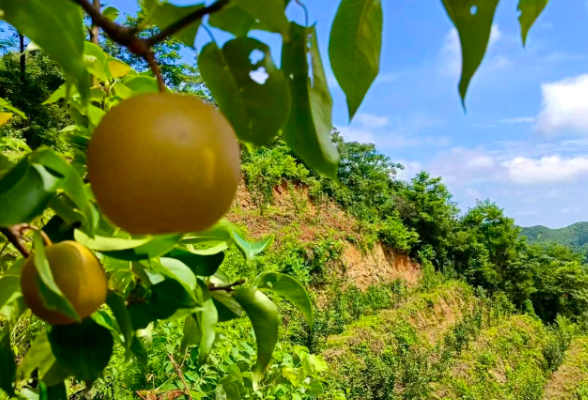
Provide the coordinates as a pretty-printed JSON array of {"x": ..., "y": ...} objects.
[
  {"x": 574, "y": 236},
  {"x": 488, "y": 314}
]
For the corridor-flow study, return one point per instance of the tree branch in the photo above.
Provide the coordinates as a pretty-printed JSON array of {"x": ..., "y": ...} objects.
[
  {"x": 227, "y": 288},
  {"x": 14, "y": 234},
  {"x": 187, "y": 20},
  {"x": 181, "y": 375}
]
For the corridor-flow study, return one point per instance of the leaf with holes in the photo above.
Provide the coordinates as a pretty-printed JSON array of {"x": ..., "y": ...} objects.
[
  {"x": 473, "y": 21},
  {"x": 236, "y": 20},
  {"x": 354, "y": 48},
  {"x": 289, "y": 288},
  {"x": 308, "y": 130},
  {"x": 270, "y": 14},
  {"x": 529, "y": 11},
  {"x": 84, "y": 349},
  {"x": 251, "y": 92},
  {"x": 57, "y": 26},
  {"x": 263, "y": 314}
]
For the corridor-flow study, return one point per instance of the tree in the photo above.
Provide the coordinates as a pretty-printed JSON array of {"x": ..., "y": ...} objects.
[{"x": 176, "y": 274}]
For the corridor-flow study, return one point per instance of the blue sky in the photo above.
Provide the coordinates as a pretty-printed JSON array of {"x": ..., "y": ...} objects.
[{"x": 524, "y": 139}]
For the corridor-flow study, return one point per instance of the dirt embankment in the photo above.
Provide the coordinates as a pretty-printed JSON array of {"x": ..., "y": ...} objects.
[{"x": 292, "y": 207}]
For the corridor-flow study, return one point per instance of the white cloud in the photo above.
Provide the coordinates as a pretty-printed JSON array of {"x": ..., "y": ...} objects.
[
  {"x": 451, "y": 52},
  {"x": 565, "y": 107},
  {"x": 390, "y": 139},
  {"x": 371, "y": 120},
  {"x": 518, "y": 120},
  {"x": 549, "y": 169},
  {"x": 411, "y": 168}
]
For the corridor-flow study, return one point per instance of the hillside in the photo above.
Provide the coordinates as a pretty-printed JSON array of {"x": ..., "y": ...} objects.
[{"x": 574, "y": 236}]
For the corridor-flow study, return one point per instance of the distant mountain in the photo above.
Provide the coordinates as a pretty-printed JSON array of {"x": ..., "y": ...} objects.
[{"x": 574, "y": 236}]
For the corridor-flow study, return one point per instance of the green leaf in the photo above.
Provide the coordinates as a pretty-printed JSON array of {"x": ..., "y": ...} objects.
[
  {"x": 257, "y": 109},
  {"x": 119, "y": 309},
  {"x": 141, "y": 84},
  {"x": 108, "y": 244},
  {"x": 119, "y": 68},
  {"x": 166, "y": 298},
  {"x": 84, "y": 349},
  {"x": 103, "y": 319},
  {"x": 111, "y": 13},
  {"x": 529, "y": 11},
  {"x": 269, "y": 13},
  {"x": 57, "y": 95},
  {"x": 71, "y": 183},
  {"x": 24, "y": 192},
  {"x": 58, "y": 27},
  {"x": 7, "y": 106},
  {"x": 201, "y": 265},
  {"x": 218, "y": 234},
  {"x": 55, "y": 392},
  {"x": 250, "y": 250},
  {"x": 308, "y": 131},
  {"x": 207, "y": 320},
  {"x": 233, "y": 19},
  {"x": 175, "y": 269},
  {"x": 9, "y": 286},
  {"x": 38, "y": 356},
  {"x": 354, "y": 48},
  {"x": 227, "y": 307},
  {"x": 264, "y": 317},
  {"x": 166, "y": 14},
  {"x": 95, "y": 60},
  {"x": 52, "y": 296},
  {"x": 289, "y": 288},
  {"x": 7, "y": 362},
  {"x": 473, "y": 20},
  {"x": 156, "y": 247},
  {"x": 191, "y": 334}
]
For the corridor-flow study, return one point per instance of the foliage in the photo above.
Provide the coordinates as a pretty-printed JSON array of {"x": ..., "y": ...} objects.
[{"x": 574, "y": 236}]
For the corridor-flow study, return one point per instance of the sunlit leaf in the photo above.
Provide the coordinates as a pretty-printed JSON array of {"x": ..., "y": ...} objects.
[
  {"x": 473, "y": 21},
  {"x": 39, "y": 356},
  {"x": 84, "y": 349},
  {"x": 250, "y": 250},
  {"x": 308, "y": 131},
  {"x": 251, "y": 92},
  {"x": 175, "y": 269},
  {"x": 95, "y": 60},
  {"x": 289, "y": 288},
  {"x": 108, "y": 244},
  {"x": 53, "y": 298},
  {"x": 529, "y": 11},
  {"x": 157, "y": 246},
  {"x": 111, "y": 13},
  {"x": 118, "y": 68},
  {"x": 264, "y": 317},
  {"x": 58, "y": 27},
  {"x": 9, "y": 286},
  {"x": 5, "y": 117},
  {"x": 354, "y": 48},
  {"x": 207, "y": 320},
  {"x": 7, "y": 362},
  {"x": 5, "y": 105},
  {"x": 141, "y": 84}
]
